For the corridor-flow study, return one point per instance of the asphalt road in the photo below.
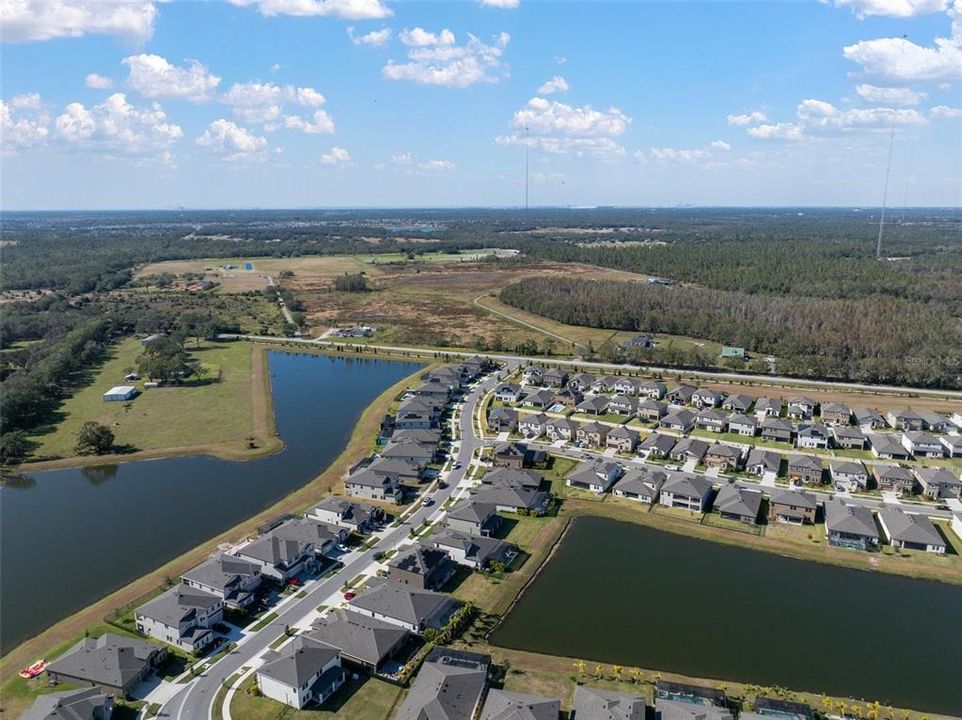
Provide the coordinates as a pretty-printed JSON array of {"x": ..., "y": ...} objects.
[{"x": 195, "y": 701}]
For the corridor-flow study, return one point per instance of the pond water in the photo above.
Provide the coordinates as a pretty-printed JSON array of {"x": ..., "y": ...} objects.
[
  {"x": 69, "y": 537},
  {"x": 621, "y": 593}
]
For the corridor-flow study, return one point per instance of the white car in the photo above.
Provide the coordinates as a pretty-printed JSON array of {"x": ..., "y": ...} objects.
[{"x": 672, "y": 467}]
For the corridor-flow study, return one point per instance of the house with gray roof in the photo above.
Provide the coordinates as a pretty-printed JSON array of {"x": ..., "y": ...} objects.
[
  {"x": 795, "y": 507},
  {"x": 406, "y": 606},
  {"x": 475, "y": 551},
  {"x": 812, "y": 436},
  {"x": 560, "y": 429},
  {"x": 905, "y": 419},
  {"x": 686, "y": 490},
  {"x": 422, "y": 567},
  {"x": 641, "y": 484},
  {"x": 592, "y": 434},
  {"x": 504, "y": 705},
  {"x": 290, "y": 548},
  {"x": 681, "y": 395},
  {"x": 895, "y": 478},
  {"x": 511, "y": 498},
  {"x": 355, "y": 516},
  {"x": 806, "y": 469},
  {"x": 741, "y": 424},
  {"x": 848, "y": 437},
  {"x": 593, "y": 405},
  {"x": 532, "y": 375},
  {"x": 233, "y": 580},
  {"x": 503, "y": 419},
  {"x": 763, "y": 461},
  {"x": 112, "y": 662},
  {"x": 540, "y": 399},
  {"x": 182, "y": 616},
  {"x": 938, "y": 483},
  {"x": 690, "y": 449},
  {"x": 711, "y": 420},
  {"x": 768, "y": 407},
  {"x": 473, "y": 517},
  {"x": 678, "y": 419},
  {"x": 868, "y": 418},
  {"x": 801, "y": 407},
  {"x": 910, "y": 531},
  {"x": 850, "y": 526},
  {"x": 596, "y": 476},
  {"x": 623, "y": 405},
  {"x": 654, "y": 389},
  {"x": 651, "y": 410},
  {"x": 622, "y": 439},
  {"x": 738, "y": 403},
  {"x": 835, "y": 413},
  {"x": 532, "y": 425},
  {"x": 887, "y": 446},
  {"x": 738, "y": 503},
  {"x": 555, "y": 377},
  {"x": 449, "y": 686},
  {"x": 508, "y": 392},
  {"x": 706, "y": 398},
  {"x": 657, "y": 445},
  {"x": 682, "y": 701},
  {"x": 302, "y": 672},
  {"x": 627, "y": 386},
  {"x": 83, "y": 704},
  {"x": 363, "y": 641},
  {"x": 528, "y": 479},
  {"x": 952, "y": 444},
  {"x": 581, "y": 381},
  {"x": 922, "y": 444},
  {"x": 848, "y": 475},
  {"x": 934, "y": 421},
  {"x": 604, "y": 384},
  {"x": 373, "y": 485},
  {"x": 597, "y": 704},
  {"x": 723, "y": 457},
  {"x": 410, "y": 450},
  {"x": 400, "y": 471},
  {"x": 777, "y": 430}
]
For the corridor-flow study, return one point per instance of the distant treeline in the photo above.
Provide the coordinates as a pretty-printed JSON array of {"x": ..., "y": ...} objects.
[{"x": 873, "y": 339}]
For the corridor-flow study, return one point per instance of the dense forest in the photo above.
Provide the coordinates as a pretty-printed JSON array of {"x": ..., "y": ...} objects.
[{"x": 873, "y": 339}]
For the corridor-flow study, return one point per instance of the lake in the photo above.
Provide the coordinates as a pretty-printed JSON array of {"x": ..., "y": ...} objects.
[
  {"x": 621, "y": 593},
  {"x": 69, "y": 537}
]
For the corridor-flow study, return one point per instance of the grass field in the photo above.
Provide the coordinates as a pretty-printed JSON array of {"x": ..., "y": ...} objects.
[
  {"x": 362, "y": 699},
  {"x": 210, "y": 413}
]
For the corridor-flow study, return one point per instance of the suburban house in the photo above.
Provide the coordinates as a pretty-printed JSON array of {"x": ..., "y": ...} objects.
[
  {"x": 681, "y": 395},
  {"x": 414, "y": 417},
  {"x": 737, "y": 503},
  {"x": 596, "y": 476},
  {"x": 910, "y": 531},
  {"x": 560, "y": 429},
  {"x": 406, "y": 606},
  {"x": 604, "y": 384},
  {"x": 357, "y": 517},
  {"x": 511, "y": 498},
  {"x": 706, "y": 398},
  {"x": 651, "y": 410},
  {"x": 593, "y": 405},
  {"x": 516, "y": 477},
  {"x": 763, "y": 461},
  {"x": 778, "y": 709},
  {"x": 894, "y": 478},
  {"x": 956, "y": 418},
  {"x": 654, "y": 389},
  {"x": 938, "y": 483},
  {"x": 290, "y": 548},
  {"x": 596, "y": 704},
  {"x": 806, "y": 469},
  {"x": 904, "y": 420},
  {"x": 848, "y": 437},
  {"x": 532, "y": 425},
  {"x": 638, "y": 342},
  {"x": 302, "y": 672},
  {"x": 475, "y": 551},
  {"x": 681, "y": 701},
  {"x": 593, "y": 434},
  {"x": 515, "y": 455},
  {"x": 801, "y": 408},
  {"x": 741, "y": 424},
  {"x": 850, "y": 526},
  {"x": 711, "y": 420},
  {"x": 502, "y": 419},
  {"x": 627, "y": 386},
  {"x": 886, "y": 446},
  {"x": 952, "y": 445},
  {"x": 182, "y": 616},
  {"x": 372, "y": 485},
  {"x": 689, "y": 449},
  {"x": 555, "y": 377},
  {"x": 796, "y": 507},
  {"x": 404, "y": 471},
  {"x": 504, "y": 705},
  {"x": 421, "y": 567},
  {"x": 848, "y": 475},
  {"x": 111, "y": 662},
  {"x": 581, "y": 381},
  {"x": 640, "y": 484},
  {"x": 657, "y": 445},
  {"x": 532, "y": 375},
  {"x": 686, "y": 490},
  {"x": 738, "y": 403},
  {"x": 623, "y": 439},
  {"x": 777, "y": 430},
  {"x": 812, "y": 436},
  {"x": 678, "y": 419},
  {"x": 568, "y": 397},
  {"x": 623, "y": 405},
  {"x": 868, "y": 418},
  {"x": 508, "y": 392},
  {"x": 768, "y": 407},
  {"x": 364, "y": 642},
  {"x": 540, "y": 399},
  {"x": 933, "y": 421},
  {"x": 473, "y": 518},
  {"x": 834, "y": 413},
  {"x": 83, "y": 704},
  {"x": 449, "y": 685},
  {"x": 922, "y": 444},
  {"x": 723, "y": 457},
  {"x": 231, "y": 579}
]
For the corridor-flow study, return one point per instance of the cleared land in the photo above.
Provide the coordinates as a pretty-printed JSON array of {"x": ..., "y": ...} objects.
[{"x": 215, "y": 414}]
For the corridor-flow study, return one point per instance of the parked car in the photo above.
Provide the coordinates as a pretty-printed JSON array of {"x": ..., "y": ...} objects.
[
  {"x": 350, "y": 595},
  {"x": 672, "y": 467},
  {"x": 442, "y": 485},
  {"x": 294, "y": 582},
  {"x": 428, "y": 501},
  {"x": 378, "y": 554}
]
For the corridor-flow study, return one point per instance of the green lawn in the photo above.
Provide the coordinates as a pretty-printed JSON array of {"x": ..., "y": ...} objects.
[
  {"x": 362, "y": 699},
  {"x": 165, "y": 417}
]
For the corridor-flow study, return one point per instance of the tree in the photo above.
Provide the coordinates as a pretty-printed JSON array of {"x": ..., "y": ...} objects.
[
  {"x": 351, "y": 282},
  {"x": 13, "y": 447},
  {"x": 94, "y": 439}
]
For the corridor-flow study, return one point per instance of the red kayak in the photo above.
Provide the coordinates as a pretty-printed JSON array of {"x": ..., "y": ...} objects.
[{"x": 33, "y": 670}]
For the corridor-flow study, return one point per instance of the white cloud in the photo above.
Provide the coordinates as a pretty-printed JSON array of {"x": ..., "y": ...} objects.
[
  {"x": 98, "y": 82},
  {"x": 275, "y": 68},
  {"x": 264, "y": 103},
  {"x": 557, "y": 84},
  {"x": 115, "y": 127},
  {"x": 152, "y": 76},
  {"x": 29, "y": 20},
  {"x": 501, "y": 4},
  {"x": 892, "y": 8},
  {"x": 232, "y": 142},
  {"x": 945, "y": 112},
  {"x": 776, "y": 131},
  {"x": 895, "y": 95},
  {"x": 375, "y": 38},
  {"x": 320, "y": 123},
  {"x": 755, "y": 116},
  {"x": 23, "y": 122},
  {"x": 344, "y": 9},
  {"x": 685, "y": 156},
  {"x": 402, "y": 158},
  {"x": 436, "y": 59},
  {"x": 435, "y": 166},
  {"x": 336, "y": 156},
  {"x": 821, "y": 115},
  {"x": 560, "y": 59}
]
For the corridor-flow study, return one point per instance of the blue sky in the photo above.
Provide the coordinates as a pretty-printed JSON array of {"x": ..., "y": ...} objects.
[{"x": 289, "y": 103}]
